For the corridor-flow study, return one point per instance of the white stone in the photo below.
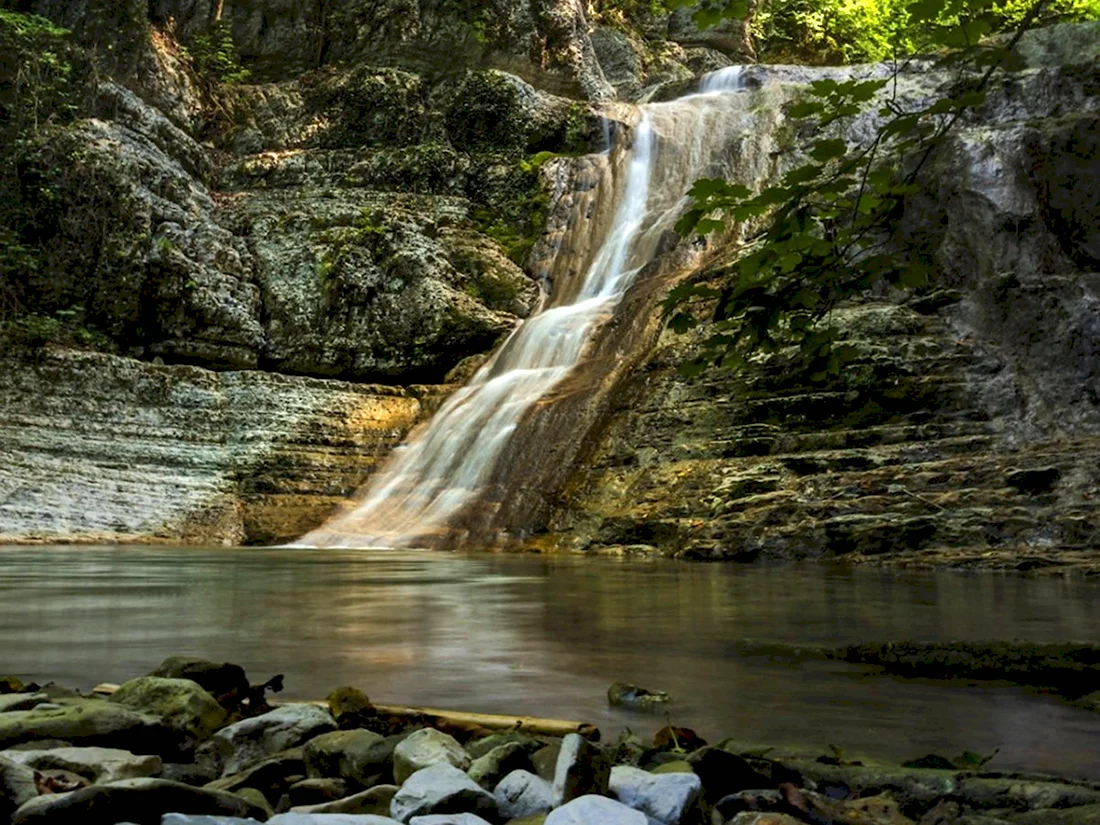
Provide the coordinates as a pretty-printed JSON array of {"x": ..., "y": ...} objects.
[
  {"x": 330, "y": 819},
  {"x": 252, "y": 739},
  {"x": 521, "y": 793},
  {"x": 664, "y": 798},
  {"x": 204, "y": 819},
  {"x": 595, "y": 810},
  {"x": 97, "y": 764},
  {"x": 425, "y": 748},
  {"x": 440, "y": 788}
]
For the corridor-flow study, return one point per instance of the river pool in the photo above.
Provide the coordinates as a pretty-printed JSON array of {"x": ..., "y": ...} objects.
[{"x": 546, "y": 636}]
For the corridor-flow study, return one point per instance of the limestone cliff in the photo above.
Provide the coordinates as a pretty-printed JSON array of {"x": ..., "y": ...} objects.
[
  {"x": 345, "y": 219},
  {"x": 967, "y": 431},
  {"x": 273, "y": 270}
]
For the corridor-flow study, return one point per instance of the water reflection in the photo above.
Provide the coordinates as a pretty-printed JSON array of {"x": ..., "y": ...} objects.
[{"x": 546, "y": 636}]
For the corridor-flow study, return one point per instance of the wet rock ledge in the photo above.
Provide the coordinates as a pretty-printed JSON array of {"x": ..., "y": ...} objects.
[{"x": 194, "y": 743}]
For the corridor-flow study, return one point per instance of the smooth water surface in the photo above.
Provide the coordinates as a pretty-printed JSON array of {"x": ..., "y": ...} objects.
[{"x": 546, "y": 636}]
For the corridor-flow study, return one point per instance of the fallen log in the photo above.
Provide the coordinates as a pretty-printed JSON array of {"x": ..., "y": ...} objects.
[{"x": 490, "y": 721}]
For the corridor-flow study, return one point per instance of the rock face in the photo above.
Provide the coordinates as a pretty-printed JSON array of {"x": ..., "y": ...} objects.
[
  {"x": 962, "y": 434},
  {"x": 98, "y": 447},
  {"x": 362, "y": 223},
  {"x": 368, "y": 218},
  {"x": 544, "y": 39}
]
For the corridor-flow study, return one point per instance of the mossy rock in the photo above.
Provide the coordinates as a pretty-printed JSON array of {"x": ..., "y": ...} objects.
[
  {"x": 87, "y": 722},
  {"x": 179, "y": 703}
]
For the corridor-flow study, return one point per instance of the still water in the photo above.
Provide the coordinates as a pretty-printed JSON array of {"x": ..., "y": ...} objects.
[{"x": 530, "y": 635}]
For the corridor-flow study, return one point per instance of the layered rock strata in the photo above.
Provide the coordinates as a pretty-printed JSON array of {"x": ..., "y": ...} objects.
[
  {"x": 98, "y": 448},
  {"x": 967, "y": 429}
]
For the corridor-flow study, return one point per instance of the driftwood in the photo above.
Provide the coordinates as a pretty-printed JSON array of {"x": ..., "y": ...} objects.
[{"x": 491, "y": 722}]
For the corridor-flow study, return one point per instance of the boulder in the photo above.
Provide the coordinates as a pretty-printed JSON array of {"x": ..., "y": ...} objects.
[
  {"x": 913, "y": 787},
  {"x": 424, "y": 748},
  {"x": 591, "y": 809},
  {"x": 141, "y": 801},
  {"x": 488, "y": 770},
  {"x": 1083, "y": 815},
  {"x": 376, "y": 800},
  {"x": 665, "y": 798},
  {"x": 441, "y": 789},
  {"x": 639, "y": 698},
  {"x": 251, "y": 740},
  {"x": 358, "y": 756},
  {"x": 582, "y": 768},
  {"x": 255, "y": 797},
  {"x": 350, "y": 707},
  {"x": 758, "y": 818},
  {"x": 1021, "y": 795},
  {"x": 316, "y": 791},
  {"x": 545, "y": 760},
  {"x": 189, "y": 773},
  {"x": 479, "y": 747},
  {"x": 181, "y": 704},
  {"x": 87, "y": 722},
  {"x": 724, "y": 773},
  {"x": 330, "y": 819},
  {"x": 17, "y": 786},
  {"x": 448, "y": 819},
  {"x": 21, "y": 701},
  {"x": 521, "y": 794},
  {"x": 272, "y": 776},
  {"x": 100, "y": 765},
  {"x": 217, "y": 679},
  {"x": 204, "y": 819}
]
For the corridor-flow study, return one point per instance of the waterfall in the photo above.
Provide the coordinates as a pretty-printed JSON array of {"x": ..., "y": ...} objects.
[{"x": 428, "y": 484}]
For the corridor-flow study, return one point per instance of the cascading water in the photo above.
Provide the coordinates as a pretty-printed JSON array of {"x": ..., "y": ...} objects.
[{"x": 426, "y": 486}]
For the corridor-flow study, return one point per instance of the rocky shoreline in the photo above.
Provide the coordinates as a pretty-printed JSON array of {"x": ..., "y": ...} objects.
[{"x": 194, "y": 743}]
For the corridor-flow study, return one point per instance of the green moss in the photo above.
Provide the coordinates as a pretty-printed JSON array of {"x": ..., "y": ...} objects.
[
  {"x": 485, "y": 115},
  {"x": 369, "y": 107},
  {"x": 514, "y": 209}
]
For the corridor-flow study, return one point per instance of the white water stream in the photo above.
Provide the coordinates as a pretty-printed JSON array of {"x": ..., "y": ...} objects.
[{"x": 443, "y": 470}]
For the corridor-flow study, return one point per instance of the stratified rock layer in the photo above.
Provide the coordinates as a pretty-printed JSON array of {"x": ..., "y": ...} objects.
[
  {"x": 101, "y": 448},
  {"x": 965, "y": 431}
]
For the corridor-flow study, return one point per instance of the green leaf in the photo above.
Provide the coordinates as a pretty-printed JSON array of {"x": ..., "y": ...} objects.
[
  {"x": 925, "y": 11},
  {"x": 913, "y": 276},
  {"x": 826, "y": 150},
  {"x": 708, "y": 225},
  {"x": 802, "y": 174},
  {"x": 824, "y": 87},
  {"x": 705, "y": 19},
  {"x": 805, "y": 108},
  {"x": 788, "y": 262},
  {"x": 682, "y": 323},
  {"x": 693, "y": 368}
]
